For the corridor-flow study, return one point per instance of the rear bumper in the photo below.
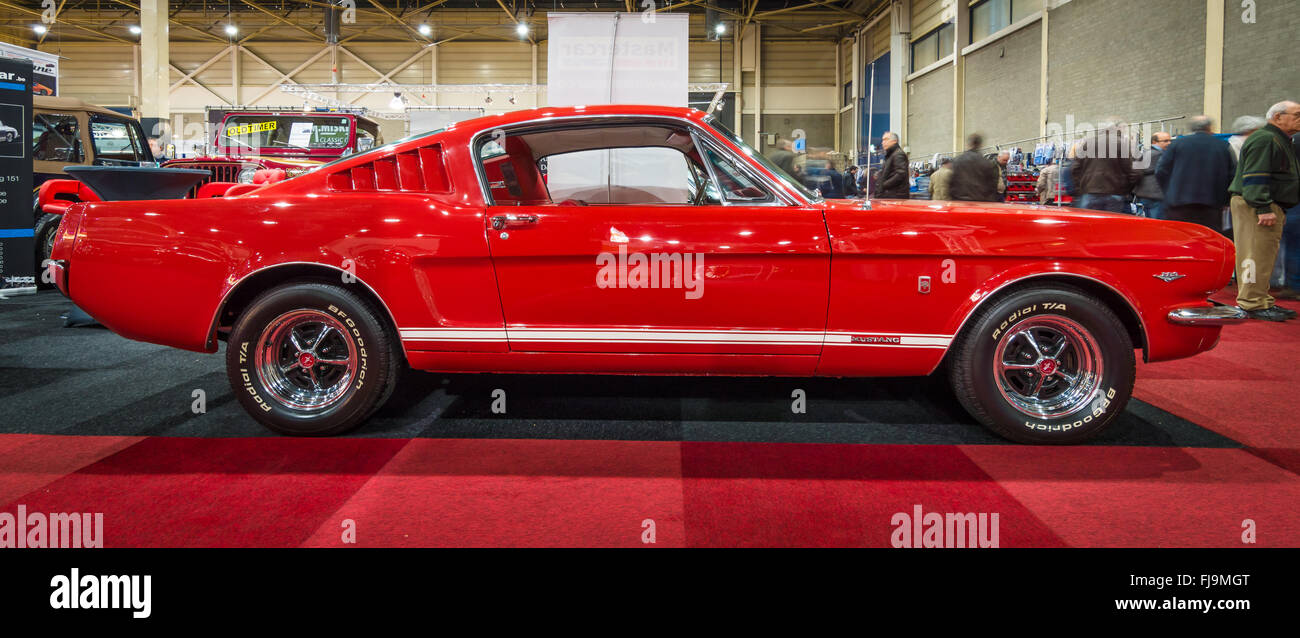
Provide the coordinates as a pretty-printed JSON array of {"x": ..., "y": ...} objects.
[
  {"x": 1216, "y": 315},
  {"x": 58, "y": 269}
]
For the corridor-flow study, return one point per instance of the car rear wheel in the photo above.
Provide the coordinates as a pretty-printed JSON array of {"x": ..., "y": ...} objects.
[
  {"x": 311, "y": 359},
  {"x": 46, "y": 231},
  {"x": 1044, "y": 365}
]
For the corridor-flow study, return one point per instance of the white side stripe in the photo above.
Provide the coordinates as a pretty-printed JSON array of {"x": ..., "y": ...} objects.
[{"x": 674, "y": 336}]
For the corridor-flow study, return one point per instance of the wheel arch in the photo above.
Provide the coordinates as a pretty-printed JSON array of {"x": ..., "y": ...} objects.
[
  {"x": 1115, "y": 300},
  {"x": 240, "y": 295}
]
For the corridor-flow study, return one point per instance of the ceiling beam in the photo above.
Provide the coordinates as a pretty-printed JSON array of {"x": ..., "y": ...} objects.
[
  {"x": 396, "y": 19},
  {"x": 206, "y": 34},
  {"x": 56, "y": 19},
  {"x": 67, "y": 21},
  {"x": 277, "y": 18}
]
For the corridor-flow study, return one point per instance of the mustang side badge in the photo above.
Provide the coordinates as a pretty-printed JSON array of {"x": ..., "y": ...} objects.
[
  {"x": 1169, "y": 276},
  {"x": 923, "y": 285}
]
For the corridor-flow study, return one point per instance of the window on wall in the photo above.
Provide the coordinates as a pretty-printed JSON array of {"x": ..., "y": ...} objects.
[
  {"x": 990, "y": 16},
  {"x": 932, "y": 47}
]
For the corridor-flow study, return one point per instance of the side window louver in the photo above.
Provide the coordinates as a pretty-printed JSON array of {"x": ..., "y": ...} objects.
[{"x": 419, "y": 170}]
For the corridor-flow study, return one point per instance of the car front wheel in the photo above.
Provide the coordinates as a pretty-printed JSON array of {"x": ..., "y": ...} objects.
[
  {"x": 311, "y": 359},
  {"x": 1044, "y": 365}
]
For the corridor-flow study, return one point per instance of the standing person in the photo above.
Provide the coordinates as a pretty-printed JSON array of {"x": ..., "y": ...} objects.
[
  {"x": 1103, "y": 171},
  {"x": 783, "y": 156},
  {"x": 1291, "y": 245},
  {"x": 1242, "y": 127},
  {"x": 1148, "y": 192},
  {"x": 1049, "y": 183},
  {"x": 893, "y": 182},
  {"x": 158, "y": 149},
  {"x": 974, "y": 178},
  {"x": 1003, "y": 158},
  {"x": 850, "y": 179},
  {"x": 1194, "y": 173},
  {"x": 1267, "y": 183},
  {"x": 941, "y": 180}
]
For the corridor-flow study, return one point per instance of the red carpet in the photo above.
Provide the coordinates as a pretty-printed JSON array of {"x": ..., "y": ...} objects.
[{"x": 281, "y": 492}]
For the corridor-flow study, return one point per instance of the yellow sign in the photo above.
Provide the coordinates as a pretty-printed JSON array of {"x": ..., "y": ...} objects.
[{"x": 245, "y": 129}]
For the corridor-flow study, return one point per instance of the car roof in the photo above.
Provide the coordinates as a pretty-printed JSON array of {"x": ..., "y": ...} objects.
[
  {"x": 596, "y": 110},
  {"x": 71, "y": 104}
]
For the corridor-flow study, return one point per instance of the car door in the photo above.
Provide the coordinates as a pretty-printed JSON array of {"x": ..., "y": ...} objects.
[{"x": 741, "y": 272}]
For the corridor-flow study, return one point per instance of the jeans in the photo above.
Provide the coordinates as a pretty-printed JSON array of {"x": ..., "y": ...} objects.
[
  {"x": 1291, "y": 248},
  {"x": 1109, "y": 203},
  {"x": 1153, "y": 207}
]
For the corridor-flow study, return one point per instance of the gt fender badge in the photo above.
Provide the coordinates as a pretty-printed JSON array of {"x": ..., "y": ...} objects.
[
  {"x": 923, "y": 285},
  {"x": 1169, "y": 276}
]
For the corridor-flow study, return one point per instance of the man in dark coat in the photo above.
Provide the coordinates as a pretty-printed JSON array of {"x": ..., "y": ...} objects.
[
  {"x": 851, "y": 182},
  {"x": 1103, "y": 170},
  {"x": 893, "y": 180},
  {"x": 974, "y": 178},
  {"x": 1194, "y": 173}
]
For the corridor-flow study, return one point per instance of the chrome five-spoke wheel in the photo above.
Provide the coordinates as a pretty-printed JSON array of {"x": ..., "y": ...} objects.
[
  {"x": 306, "y": 360},
  {"x": 1048, "y": 366}
]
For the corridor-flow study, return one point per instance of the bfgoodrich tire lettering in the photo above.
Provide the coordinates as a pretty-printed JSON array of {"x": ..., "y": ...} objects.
[
  {"x": 1044, "y": 365},
  {"x": 311, "y": 359}
]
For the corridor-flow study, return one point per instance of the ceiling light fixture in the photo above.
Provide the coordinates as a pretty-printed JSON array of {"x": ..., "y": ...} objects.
[
  {"x": 425, "y": 30},
  {"x": 135, "y": 30},
  {"x": 39, "y": 29},
  {"x": 232, "y": 30},
  {"x": 521, "y": 28},
  {"x": 397, "y": 103}
]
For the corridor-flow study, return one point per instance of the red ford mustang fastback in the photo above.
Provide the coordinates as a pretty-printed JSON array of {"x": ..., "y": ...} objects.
[{"x": 639, "y": 240}]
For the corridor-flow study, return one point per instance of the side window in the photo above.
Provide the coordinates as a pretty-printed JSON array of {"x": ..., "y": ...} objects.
[
  {"x": 115, "y": 139},
  {"x": 56, "y": 138},
  {"x": 736, "y": 185},
  {"x": 621, "y": 176}
]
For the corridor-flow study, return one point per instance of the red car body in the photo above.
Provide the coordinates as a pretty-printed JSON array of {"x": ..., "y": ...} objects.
[{"x": 808, "y": 287}]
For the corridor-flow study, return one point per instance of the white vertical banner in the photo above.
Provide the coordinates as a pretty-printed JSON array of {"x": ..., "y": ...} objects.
[{"x": 617, "y": 58}]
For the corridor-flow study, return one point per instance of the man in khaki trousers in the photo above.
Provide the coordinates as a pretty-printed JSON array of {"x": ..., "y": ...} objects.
[{"x": 1266, "y": 184}]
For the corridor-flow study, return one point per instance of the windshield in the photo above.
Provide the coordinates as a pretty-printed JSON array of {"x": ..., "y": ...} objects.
[
  {"x": 761, "y": 159},
  {"x": 255, "y": 132}
]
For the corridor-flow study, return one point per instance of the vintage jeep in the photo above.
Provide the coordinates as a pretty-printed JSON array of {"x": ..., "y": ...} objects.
[
  {"x": 245, "y": 141},
  {"x": 69, "y": 132}
]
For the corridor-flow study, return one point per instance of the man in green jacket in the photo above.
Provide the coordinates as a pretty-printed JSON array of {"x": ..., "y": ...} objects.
[{"x": 1266, "y": 184}]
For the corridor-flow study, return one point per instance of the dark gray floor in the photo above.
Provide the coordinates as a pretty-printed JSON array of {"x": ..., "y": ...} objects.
[{"x": 88, "y": 381}]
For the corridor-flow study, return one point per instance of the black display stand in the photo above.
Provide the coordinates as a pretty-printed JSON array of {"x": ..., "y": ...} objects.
[
  {"x": 116, "y": 183},
  {"x": 17, "y": 243}
]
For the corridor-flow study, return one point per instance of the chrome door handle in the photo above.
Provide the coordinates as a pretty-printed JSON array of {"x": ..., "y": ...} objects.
[{"x": 501, "y": 221}]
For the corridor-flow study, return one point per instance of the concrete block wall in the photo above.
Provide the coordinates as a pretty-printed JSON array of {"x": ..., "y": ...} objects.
[
  {"x": 1002, "y": 87},
  {"x": 1136, "y": 60},
  {"x": 1260, "y": 59},
  {"x": 929, "y": 114}
]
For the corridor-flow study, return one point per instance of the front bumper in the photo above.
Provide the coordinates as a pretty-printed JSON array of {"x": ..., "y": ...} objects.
[{"x": 1216, "y": 315}]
